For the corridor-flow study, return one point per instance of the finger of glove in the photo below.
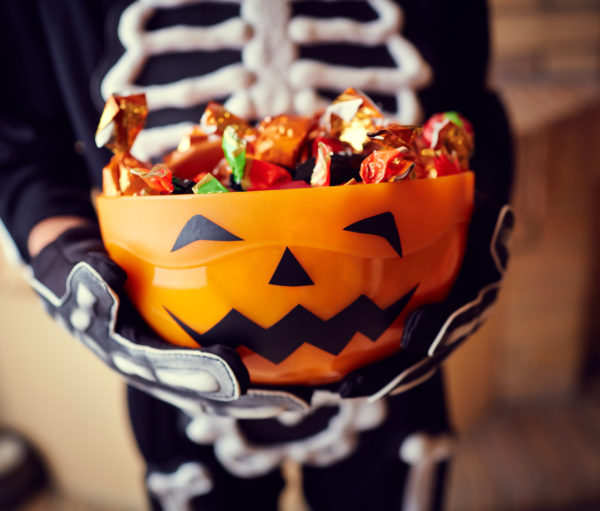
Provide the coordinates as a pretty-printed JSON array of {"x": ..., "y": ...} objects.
[
  {"x": 462, "y": 312},
  {"x": 486, "y": 252},
  {"x": 196, "y": 372},
  {"x": 233, "y": 360},
  {"x": 215, "y": 369},
  {"x": 55, "y": 261},
  {"x": 367, "y": 380}
]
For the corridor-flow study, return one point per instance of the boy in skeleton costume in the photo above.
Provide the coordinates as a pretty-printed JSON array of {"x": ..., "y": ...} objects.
[{"x": 211, "y": 440}]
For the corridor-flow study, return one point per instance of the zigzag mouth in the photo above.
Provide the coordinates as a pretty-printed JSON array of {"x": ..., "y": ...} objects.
[{"x": 299, "y": 326}]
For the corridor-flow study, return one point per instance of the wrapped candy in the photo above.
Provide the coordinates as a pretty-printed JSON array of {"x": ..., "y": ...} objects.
[
  {"x": 321, "y": 175},
  {"x": 216, "y": 118},
  {"x": 263, "y": 175},
  {"x": 437, "y": 163},
  {"x": 280, "y": 138},
  {"x": 234, "y": 148},
  {"x": 209, "y": 184},
  {"x": 289, "y": 185},
  {"x": 386, "y": 165},
  {"x": 195, "y": 154},
  {"x": 394, "y": 136},
  {"x": 117, "y": 178},
  {"x": 333, "y": 145},
  {"x": 351, "y": 116},
  {"x": 452, "y": 134},
  {"x": 159, "y": 179},
  {"x": 347, "y": 143},
  {"x": 121, "y": 121}
]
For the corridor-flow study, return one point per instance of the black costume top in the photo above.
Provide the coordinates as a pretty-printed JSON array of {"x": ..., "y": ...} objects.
[{"x": 56, "y": 53}]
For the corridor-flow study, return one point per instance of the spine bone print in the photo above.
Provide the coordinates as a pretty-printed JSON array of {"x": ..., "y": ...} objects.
[{"x": 270, "y": 77}]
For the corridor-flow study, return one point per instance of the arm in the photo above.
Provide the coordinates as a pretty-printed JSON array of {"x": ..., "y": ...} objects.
[
  {"x": 48, "y": 230},
  {"x": 41, "y": 175},
  {"x": 46, "y": 208}
]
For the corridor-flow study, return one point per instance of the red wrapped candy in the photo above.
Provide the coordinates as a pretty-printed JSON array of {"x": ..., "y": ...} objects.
[
  {"x": 263, "y": 175},
  {"x": 159, "y": 178},
  {"x": 385, "y": 165}
]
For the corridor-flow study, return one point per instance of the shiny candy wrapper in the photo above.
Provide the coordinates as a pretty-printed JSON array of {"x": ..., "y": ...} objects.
[
  {"x": 452, "y": 134},
  {"x": 234, "y": 148},
  {"x": 263, "y": 175},
  {"x": 349, "y": 142},
  {"x": 196, "y": 153},
  {"x": 351, "y": 116},
  {"x": 216, "y": 118},
  {"x": 333, "y": 145},
  {"x": 385, "y": 165},
  {"x": 209, "y": 184},
  {"x": 117, "y": 178},
  {"x": 121, "y": 121},
  {"x": 280, "y": 138},
  {"x": 159, "y": 178},
  {"x": 437, "y": 163},
  {"x": 321, "y": 175},
  {"x": 395, "y": 136}
]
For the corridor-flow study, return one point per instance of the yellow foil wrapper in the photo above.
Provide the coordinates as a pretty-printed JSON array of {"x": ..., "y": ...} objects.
[
  {"x": 458, "y": 143},
  {"x": 351, "y": 116},
  {"x": 216, "y": 118},
  {"x": 121, "y": 121}
]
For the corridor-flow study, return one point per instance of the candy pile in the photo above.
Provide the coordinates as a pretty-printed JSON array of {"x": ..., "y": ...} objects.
[{"x": 347, "y": 143}]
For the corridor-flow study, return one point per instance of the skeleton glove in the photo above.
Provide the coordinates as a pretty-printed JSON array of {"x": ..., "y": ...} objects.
[
  {"x": 433, "y": 331},
  {"x": 83, "y": 289}
]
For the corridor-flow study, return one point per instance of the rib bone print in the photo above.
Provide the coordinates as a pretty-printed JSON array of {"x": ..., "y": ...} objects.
[{"x": 272, "y": 76}]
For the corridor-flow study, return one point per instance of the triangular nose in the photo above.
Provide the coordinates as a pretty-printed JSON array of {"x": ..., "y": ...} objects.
[{"x": 289, "y": 272}]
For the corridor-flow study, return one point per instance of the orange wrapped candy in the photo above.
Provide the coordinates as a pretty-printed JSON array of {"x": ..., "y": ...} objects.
[
  {"x": 394, "y": 136},
  {"x": 280, "y": 138},
  {"x": 121, "y": 121},
  {"x": 216, "y": 118},
  {"x": 197, "y": 153}
]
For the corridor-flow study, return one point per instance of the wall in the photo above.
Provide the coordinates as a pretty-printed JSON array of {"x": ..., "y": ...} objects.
[{"x": 66, "y": 401}]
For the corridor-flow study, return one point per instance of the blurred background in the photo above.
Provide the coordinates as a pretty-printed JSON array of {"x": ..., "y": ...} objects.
[{"x": 524, "y": 391}]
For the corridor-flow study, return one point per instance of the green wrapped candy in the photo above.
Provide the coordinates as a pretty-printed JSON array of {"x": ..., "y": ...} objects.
[
  {"x": 209, "y": 184},
  {"x": 234, "y": 148}
]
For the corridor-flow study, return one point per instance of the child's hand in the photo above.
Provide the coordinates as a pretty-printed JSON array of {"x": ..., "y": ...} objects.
[
  {"x": 433, "y": 331},
  {"x": 82, "y": 288}
]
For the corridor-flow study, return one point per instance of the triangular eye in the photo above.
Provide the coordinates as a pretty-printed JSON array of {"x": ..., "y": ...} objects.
[
  {"x": 382, "y": 225},
  {"x": 200, "y": 228}
]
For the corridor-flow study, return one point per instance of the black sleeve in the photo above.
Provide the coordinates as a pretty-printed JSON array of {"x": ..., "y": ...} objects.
[
  {"x": 41, "y": 174},
  {"x": 454, "y": 38}
]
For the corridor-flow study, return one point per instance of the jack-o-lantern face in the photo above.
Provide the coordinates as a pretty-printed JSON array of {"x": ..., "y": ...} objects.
[{"x": 307, "y": 284}]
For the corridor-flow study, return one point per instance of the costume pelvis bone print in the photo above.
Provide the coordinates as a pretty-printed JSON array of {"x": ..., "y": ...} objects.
[
  {"x": 331, "y": 444},
  {"x": 274, "y": 72}
]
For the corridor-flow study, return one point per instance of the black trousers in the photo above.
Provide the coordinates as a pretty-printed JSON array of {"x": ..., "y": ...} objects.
[{"x": 373, "y": 476}]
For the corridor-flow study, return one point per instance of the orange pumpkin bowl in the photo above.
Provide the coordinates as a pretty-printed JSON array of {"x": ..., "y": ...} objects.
[{"x": 307, "y": 284}]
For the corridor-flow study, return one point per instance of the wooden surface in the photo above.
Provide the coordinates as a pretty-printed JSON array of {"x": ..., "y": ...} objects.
[{"x": 539, "y": 457}]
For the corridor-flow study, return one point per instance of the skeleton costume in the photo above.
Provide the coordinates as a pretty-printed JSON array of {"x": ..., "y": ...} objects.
[{"x": 380, "y": 438}]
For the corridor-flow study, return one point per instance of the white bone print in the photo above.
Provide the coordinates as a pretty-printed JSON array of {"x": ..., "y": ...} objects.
[
  {"x": 270, "y": 78},
  {"x": 175, "y": 490},
  {"x": 423, "y": 453}
]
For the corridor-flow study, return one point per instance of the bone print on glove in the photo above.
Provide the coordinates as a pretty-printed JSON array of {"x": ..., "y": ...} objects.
[
  {"x": 433, "y": 331},
  {"x": 82, "y": 288}
]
